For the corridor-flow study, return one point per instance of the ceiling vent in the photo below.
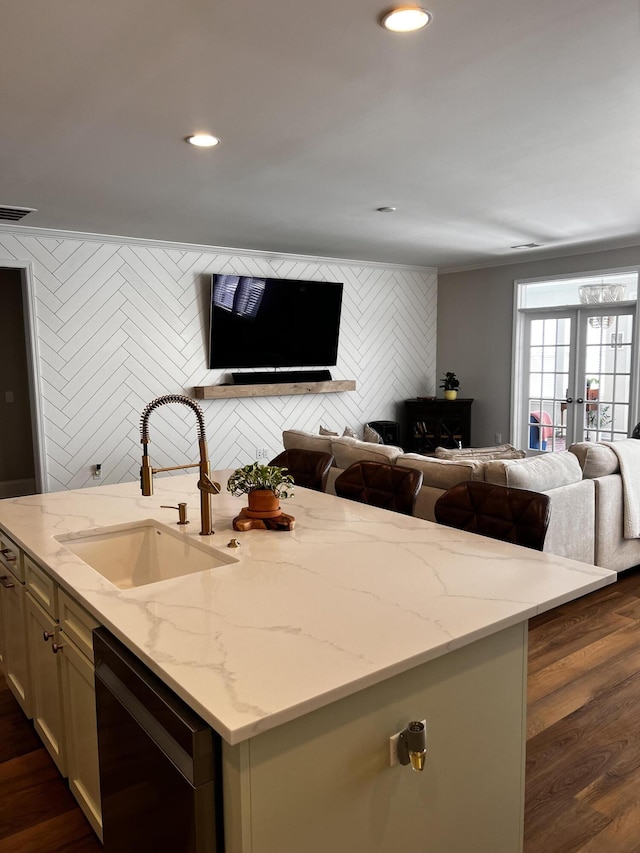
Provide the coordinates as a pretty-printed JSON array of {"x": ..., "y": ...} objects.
[{"x": 14, "y": 214}]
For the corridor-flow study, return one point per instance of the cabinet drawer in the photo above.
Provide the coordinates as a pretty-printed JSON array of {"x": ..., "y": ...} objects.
[
  {"x": 77, "y": 623},
  {"x": 11, "y": 557},
  {"x": 43, "y": 588}
]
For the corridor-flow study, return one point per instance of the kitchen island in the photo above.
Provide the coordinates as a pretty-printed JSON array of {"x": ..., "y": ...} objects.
[{"x": 315, "y": 646}]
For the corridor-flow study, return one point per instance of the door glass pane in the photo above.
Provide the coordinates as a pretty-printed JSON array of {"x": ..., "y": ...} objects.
[
  {"x": 608, "y": 378},
  {"x": 548, "y": 367}
]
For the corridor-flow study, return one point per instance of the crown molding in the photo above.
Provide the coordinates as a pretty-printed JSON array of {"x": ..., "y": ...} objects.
[
  {"x": 48, "y": 233},
  {"x": 528, "y": 256}
]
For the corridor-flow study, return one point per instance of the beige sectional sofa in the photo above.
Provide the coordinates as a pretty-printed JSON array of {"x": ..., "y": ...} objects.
[
  {"x": 600, "y": 465},
  {"x": 573, "y": 505}
]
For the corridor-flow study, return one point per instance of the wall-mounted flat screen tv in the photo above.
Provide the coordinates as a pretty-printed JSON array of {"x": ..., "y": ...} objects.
[{"x": 273, "y": 322}]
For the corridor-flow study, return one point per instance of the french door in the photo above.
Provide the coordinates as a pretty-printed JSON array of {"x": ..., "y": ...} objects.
[{"x": 577, "y": 374}]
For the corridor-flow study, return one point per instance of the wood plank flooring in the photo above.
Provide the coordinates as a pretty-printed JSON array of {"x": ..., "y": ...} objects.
[
  {"x": 38, "y": 814},
  {"x": 583, "y": 747},
  {"x": 583, "y": 743}
]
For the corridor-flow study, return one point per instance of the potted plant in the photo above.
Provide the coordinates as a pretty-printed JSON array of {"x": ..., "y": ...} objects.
[
  {"x": 450, "y": 383},
  {"x": 264, "y": 486}
]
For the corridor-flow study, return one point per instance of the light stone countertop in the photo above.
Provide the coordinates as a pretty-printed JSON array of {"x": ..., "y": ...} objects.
[{"x": 352, "y": 596}]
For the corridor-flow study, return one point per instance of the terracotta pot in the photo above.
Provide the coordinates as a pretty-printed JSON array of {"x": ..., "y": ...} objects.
[
  {"x": 263, "y": 503},
  {"x": 450, "y": 395}
]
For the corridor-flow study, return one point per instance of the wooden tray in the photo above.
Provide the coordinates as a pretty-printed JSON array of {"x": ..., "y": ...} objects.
[{"x": 280, "y": 522}]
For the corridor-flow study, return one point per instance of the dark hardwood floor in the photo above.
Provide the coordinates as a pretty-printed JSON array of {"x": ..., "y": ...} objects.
[
  {"x": 38, "y": 814},
  {"x": 583, "y": 746}
]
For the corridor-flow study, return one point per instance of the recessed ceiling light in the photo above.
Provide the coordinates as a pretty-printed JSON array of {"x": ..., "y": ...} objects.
[
  {"x": 386, "y": 209},
  {"x": 527, "y": 246},
  {"x": 406, "y": 19},
  {"x": 203, "y": 140}
]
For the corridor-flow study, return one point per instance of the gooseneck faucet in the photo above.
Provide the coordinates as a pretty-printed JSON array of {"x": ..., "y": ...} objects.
[{"x": 206, "y": 485}]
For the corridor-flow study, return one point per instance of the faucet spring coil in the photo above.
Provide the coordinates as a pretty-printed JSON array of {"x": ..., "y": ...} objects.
[{"x": 171, "y": 398}]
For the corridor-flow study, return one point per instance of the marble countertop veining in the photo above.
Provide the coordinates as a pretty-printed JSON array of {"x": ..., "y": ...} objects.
[{"x": 350, "y": 597}]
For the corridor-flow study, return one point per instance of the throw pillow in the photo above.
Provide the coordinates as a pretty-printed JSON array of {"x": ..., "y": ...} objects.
[
  {"x": 372, "y": 435},
  {"x": 325, "y": 431},
  {"x": 350, "y": 433},
  {"x": 498, "y": 451}
]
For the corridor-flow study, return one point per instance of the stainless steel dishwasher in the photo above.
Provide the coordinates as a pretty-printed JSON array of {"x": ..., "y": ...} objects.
[{"x": 160, "y": 763}]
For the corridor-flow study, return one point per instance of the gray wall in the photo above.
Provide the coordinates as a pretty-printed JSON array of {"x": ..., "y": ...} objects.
[{"x": 475, "y": 316}]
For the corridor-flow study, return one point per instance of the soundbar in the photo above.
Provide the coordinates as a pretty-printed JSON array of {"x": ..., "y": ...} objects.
[{"x": 281, "y": 376}]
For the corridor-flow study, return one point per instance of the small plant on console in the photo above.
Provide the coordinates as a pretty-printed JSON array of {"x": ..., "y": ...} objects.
[{"x": 450, "y": 382}]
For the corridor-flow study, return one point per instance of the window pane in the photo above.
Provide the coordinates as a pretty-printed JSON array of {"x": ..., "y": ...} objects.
[
  {"x": 623, "y": 359},
  {"x": 622, "y": 388},
  {"x": 562, "y": 385},
  {"x": 593, "y": 360},
  {"x": 621, "y": 418},
  {"x": 535, "y": 385},
  {"x": 548, "y": 384},
  {"x": 536, "y": 332}
]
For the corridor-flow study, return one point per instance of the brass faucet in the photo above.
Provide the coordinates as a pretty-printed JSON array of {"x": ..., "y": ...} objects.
[{"x": 206, "y": 485}]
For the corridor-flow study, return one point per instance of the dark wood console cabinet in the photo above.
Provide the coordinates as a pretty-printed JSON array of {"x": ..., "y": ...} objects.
[{"x": 437, "y": 423}]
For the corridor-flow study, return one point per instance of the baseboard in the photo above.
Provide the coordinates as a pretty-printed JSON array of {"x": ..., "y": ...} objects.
[{"x": 16, "y": 488}]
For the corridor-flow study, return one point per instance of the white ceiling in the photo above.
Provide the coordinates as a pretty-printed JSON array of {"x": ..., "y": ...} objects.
[{"x": 504, "y": 122}]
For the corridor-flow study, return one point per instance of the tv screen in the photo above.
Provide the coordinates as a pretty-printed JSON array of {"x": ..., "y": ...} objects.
[{"x": 271, "y": 322}]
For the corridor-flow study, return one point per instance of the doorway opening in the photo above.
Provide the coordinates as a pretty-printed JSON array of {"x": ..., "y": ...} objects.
[{"x": 20, "y": 458}]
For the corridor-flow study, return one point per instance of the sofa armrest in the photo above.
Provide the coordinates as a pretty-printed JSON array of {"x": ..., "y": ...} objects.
[
  {"x": 571, "y": 530},
  {"x": 612, "y": 550}
]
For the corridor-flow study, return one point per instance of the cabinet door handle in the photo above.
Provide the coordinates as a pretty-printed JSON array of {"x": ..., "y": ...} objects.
[
  {"x": 6, "y": 583},
  {"x": 47, "y": 635},
  {"x": 8, "y": 554},
  {"x": 57, "y": 647}
]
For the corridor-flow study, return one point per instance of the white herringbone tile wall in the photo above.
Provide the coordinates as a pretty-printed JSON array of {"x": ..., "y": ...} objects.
[{"x": 120, "y": 323}]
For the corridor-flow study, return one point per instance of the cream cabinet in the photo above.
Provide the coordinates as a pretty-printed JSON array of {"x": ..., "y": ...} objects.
[
  {"x": 323, "y": 782},
  {"x": 76, "y": 655},
  {"x": 15, "y": 652},
  {"x": 43, "y": 637},
  {"x": 46, "y": 649}
]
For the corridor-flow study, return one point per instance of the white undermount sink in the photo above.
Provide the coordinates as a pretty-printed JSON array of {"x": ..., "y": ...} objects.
[{"x": 143, "y": 552}]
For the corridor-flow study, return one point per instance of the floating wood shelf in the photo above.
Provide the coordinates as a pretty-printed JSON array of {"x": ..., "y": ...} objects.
[{"x": 282, "y": 389}]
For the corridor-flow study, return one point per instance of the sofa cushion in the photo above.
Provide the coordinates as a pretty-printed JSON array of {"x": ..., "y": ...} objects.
[
  {"x": 296, "y": 439},
  {"x": 538, "y": 473},
  {"x": 349, "y": 450},
  {"x": 497, "y": 451},
  {"x": 596, "y": 460},
  {"x": 443, "y": 473}
]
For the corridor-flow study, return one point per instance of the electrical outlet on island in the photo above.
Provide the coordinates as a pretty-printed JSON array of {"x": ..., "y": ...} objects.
[{"x": 498, "y": 438}]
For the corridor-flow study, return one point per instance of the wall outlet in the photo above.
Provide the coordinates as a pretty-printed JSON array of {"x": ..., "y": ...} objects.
[
  {"x": 498, "y": 438},
  {"x": 262, "y": 453},
  {"x": 97, "y": 471},
  {"x": 393, "y": 746}
]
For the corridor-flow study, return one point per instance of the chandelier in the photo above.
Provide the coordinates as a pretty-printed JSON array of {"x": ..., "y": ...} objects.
[{"x": 594, "y": 294}]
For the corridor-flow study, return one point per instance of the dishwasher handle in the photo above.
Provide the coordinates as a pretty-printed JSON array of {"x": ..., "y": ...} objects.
[{"x": 181, "y": 760}]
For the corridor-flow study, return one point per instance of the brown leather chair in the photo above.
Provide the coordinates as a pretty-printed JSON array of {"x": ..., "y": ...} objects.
[
  {"x": 513, "y": 515},
  {"x": 380, "y": 484},
  {"x": 309, "y": 468}
]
